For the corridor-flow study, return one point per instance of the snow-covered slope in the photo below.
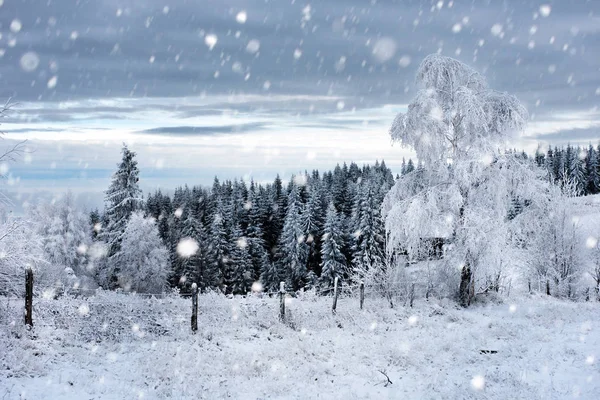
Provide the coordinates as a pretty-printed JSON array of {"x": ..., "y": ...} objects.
[{"x": 117, "y": 347}]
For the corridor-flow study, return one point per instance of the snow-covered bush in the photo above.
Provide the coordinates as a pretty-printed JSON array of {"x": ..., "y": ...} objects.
[
  {"x": 142, "y": 260},
  {"x": 21, "y": 247}
]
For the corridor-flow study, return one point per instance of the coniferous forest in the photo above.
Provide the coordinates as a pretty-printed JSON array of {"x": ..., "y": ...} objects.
[{"x": 305, "y": 231}]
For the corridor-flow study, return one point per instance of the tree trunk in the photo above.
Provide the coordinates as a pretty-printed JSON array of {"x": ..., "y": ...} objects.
[{"x": 464, "y": 291}]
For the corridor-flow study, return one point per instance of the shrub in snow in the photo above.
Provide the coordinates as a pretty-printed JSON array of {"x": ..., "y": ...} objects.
[{"x": 142, "y": 261}]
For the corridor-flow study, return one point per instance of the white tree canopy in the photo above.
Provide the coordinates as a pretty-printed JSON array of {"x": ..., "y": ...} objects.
[
  {"x": 455, "y": 115},
  {"x": 142, "y": 259}
]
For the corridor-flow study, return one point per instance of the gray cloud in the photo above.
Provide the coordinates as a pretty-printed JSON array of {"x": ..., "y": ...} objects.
[
  {"x": 203, "y": 130},
  {"x": 127, "y": 66},
  {"x": 110, "y": 55}
]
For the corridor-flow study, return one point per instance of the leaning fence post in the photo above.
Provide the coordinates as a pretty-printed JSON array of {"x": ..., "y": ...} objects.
[
  {"x": 335, "y": 294},
  {"x": 362, "y": 294},
  {"x": 194, "y": 307},
  {"x": 29, "y": 297},
  {"x": 282, "y": 301}
]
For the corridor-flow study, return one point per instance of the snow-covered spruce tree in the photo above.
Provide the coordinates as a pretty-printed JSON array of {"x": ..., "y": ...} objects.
[
  {"x": 456, "y": 125},
  {"x": 191, "y": 258},
  {"x": 312, "y": 225},
  {"x": 123, "y": 197},
  {"x": 218, "y": 250},
  {"x": 142, "y": 260},
  {"x": 292, "y": 249},
  {"x": 333, "y": 261},
  {"x": 368, "y": 231},
  {"x": 254, "y": 232},
  {"x": 270, "y": 276},
  {"x": 239, "y": 280},
  {"x": 593, "y": 171}
]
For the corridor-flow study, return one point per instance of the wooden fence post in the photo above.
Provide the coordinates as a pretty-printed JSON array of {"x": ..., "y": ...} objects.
[
  {"x": 29, "y": 297},
  {"x": 282, "y": 301},
  {"x": 335, "y": 294},
  {"x": 362, "y": 294},
  {"x": 194, "y": 307}
]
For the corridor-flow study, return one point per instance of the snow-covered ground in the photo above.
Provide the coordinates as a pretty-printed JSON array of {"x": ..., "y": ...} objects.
[{"x": 115, "y": 346}]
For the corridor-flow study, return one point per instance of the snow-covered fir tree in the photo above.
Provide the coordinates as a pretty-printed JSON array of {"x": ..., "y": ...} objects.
[
  {"x": 333, "y": 262},
  {"x": 123, "y": 197},
  {"x": 292, "y": 247},
  {"x": 239, "y": 279}
]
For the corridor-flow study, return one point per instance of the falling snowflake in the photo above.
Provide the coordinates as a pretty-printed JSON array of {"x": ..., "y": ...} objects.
[
  {"x": 496, "y": 29},
  {"x": 187, "y": 247},
  {"x": 15, "y": 25},
  {"x": 545, "y": 10},
  {"x": 241, "y": 17},
  {"x": 29, "y": 61},
  {"x": 242, "y": 242},
  {"x": 253, "y": 46},
  {"x": 52, "y": 82},
  {"x": 404, "y": 61},
  {"x": 384, "y": 49},
  {"x": 478, "y": 382},
  {"x": 210, "y": 40},
  {"x": 257, "y": 287},
  {"x": 591, "y": 242},
  {"x": 83, "y": 310},
  {"x": 297, "y": 54}
]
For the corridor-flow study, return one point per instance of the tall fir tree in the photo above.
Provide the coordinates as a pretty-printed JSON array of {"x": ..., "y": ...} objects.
[
  {"x": 239, "y": 278},
  {"x": 122, "y": 199},
  {"x": 333, "y": 261},
  {"x": 292, "y": 249}
]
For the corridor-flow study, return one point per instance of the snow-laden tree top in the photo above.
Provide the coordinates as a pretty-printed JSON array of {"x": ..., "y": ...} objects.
[{"x": 455, "y": 115}]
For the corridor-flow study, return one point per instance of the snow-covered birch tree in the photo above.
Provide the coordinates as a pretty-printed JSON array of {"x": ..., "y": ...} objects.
[{"x": 456, "y": 125}]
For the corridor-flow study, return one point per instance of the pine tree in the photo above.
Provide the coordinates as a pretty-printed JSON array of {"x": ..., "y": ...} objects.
[
  {"x": 95, "y": 223},
  {"x": 255, "y": 234},
  {"x": 312, "y": 226},
  {"x": 218, "y": 250},
  {"x": 292, "y": 248},
  {"x": 410, "y": 167},
  {"x": 334, "y": 262},
  {"x": 239, "y": 280},
  {"x": 193, "y": 267},
  {"x": 123, "y": 197},
  {"x": 369, "y": 234},
  {"x": 593, "y": 172},
  {"x": 270, "y": 276}
]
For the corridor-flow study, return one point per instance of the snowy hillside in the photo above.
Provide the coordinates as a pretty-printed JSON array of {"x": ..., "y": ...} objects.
[{"x": 118, "y": 347}]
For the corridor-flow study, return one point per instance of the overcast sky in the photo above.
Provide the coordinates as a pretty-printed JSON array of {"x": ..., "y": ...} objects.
[{"x": 251, "y": 88}]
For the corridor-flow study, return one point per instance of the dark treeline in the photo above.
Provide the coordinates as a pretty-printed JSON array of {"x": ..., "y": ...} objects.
[
  {"x": 305, "y": 232},
  {"x": 574, "y": 166}
]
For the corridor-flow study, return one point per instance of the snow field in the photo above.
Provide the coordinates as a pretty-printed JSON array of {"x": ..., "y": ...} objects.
[{"x": 115, "y": 346}]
